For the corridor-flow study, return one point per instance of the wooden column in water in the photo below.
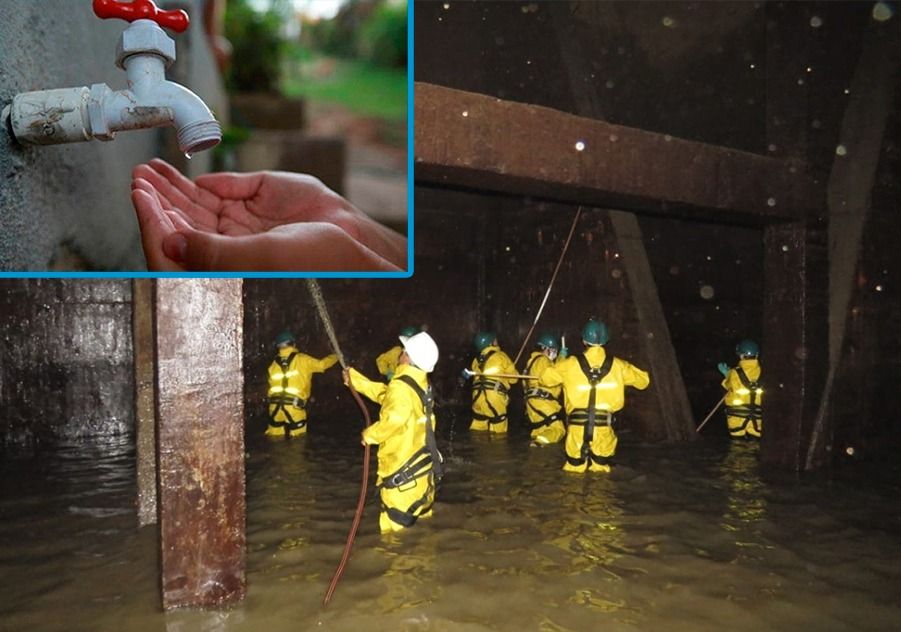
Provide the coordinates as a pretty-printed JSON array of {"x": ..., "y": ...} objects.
[
  {"x": 199, "y": 331},
  {"x": 793, "y": 346},
  {"x": 145, "y": 409}
]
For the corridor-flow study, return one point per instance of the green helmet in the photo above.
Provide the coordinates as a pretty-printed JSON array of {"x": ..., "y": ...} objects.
[
  {"x": 595, "y": 333},
  {"x": 284, "y": 338},
  {"x": 548, "y": 341},
  {"x": 409, "y": 332},
  {"x": 483, "y": 339},
  {"x": 747, "y": 349}
]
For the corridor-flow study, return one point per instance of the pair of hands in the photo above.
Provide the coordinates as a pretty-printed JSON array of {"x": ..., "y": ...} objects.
[
  {"x": 267, "y": 220},
  {"x": 723, "y": 368}
]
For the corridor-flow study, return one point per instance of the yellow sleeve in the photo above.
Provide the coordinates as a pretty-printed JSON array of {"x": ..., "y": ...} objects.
[
  {"x": 318, "y": 366},
  {"x": 635, "y": 377},
  {"x": 387, "y": 362},
  {"x": 393, "y": 416},
  {"x": 507, "y": 366},
  {"x": 551, "y": 376},
  {"x": 366, "y": 387}
]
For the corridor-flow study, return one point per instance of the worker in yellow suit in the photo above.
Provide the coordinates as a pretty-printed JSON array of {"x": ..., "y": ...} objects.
[
  {"x": 744, "y": 394},
  {"x": 290, "y": 385},
  {"x": 490, "y": 395},
  {"x": 543, "y": 407},
  {"x": 409, "y": 462},
  {"x": 387, "y": 362},
  {"x": 594, "y": 390}
]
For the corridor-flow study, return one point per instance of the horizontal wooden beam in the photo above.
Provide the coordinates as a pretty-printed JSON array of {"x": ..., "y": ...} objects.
[{"x": 470, "y": 140}]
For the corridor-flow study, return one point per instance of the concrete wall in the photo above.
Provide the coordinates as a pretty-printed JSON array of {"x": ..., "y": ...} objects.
[
  {"x": 65, "y": 359},
  {"x": 67, "y": 206}
]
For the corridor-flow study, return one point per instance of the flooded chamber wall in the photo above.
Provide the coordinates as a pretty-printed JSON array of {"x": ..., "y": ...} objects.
[{"x": 67, "y": 359}]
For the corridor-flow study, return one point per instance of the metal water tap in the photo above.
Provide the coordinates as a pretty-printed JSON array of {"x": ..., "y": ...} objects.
[{"x": 144, "y": 52}]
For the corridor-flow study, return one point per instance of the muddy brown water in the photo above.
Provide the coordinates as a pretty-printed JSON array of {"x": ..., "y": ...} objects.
[{"x": 676, "y": 538}]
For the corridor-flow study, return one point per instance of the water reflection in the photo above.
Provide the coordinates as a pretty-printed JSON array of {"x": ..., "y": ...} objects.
[{"x": 686, "y": 537}]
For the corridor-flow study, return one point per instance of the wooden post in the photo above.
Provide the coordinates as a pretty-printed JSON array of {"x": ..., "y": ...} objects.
[
  {"x": 145, "y": 410},
  {"x": 199, "y": 329}
]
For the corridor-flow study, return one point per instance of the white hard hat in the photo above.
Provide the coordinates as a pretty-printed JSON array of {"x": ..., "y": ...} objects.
[{"x": 422, "y": 350}]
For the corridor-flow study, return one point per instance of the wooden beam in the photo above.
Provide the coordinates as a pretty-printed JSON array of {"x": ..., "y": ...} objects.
[
  {"x": 199, "y": 333},
  {"x": 472, "y": 140},
  {"x": 145, "y": 411}
]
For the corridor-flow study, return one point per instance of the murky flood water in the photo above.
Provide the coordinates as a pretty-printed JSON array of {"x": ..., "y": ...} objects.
[{"x": 675, "y": 539}]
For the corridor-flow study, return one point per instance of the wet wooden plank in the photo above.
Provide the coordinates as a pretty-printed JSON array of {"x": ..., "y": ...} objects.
[
  {"x": 199, "y": 331},
  {"x": 145, "y": 410},
  {"x": 471, "y": 140}
]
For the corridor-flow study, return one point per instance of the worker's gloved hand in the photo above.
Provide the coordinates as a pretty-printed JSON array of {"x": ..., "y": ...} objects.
[
  {"x": 389, "y": 375},
  {"x": 564, "y": 353},
  {"x": 723, "y": 368},
  {"x": 255, "y": 221},
  {"x": 463, "y": 378}
]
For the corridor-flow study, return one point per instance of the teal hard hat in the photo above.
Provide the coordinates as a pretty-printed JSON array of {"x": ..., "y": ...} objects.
[
  {"x": 747, "y": 349},
  {"x": 409, "y": 332},
  {"x": 548, "y": 341},
  {"x": 595, "y": 332},
  {"x": 483, "y": 339},
  {"x": 284, "y": 338}
]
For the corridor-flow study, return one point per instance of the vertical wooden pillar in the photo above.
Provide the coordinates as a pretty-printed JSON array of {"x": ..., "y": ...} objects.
[
  {"x": 795, "y": 347},
  {"x": 199, "y": 330},
  {"x": 145, "y": 411}
]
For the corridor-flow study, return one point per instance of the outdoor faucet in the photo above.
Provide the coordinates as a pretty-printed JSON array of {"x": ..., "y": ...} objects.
[{"x": 144, "y": 52}]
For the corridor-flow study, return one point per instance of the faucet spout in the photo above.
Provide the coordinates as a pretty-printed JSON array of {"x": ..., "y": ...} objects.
[
  {"x": 153, "y": 101},
  {"x": 69, "y": 115}
]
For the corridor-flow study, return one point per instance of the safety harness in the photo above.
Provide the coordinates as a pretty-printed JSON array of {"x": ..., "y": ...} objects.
[
  {"x": 480, "y": 387},
  {"x": 284, "y": 399},
  {"x": 426, "y": 459},
  {"x": 540, "y": 393},
  {"x": 750, "y": 412},
  {"x": 589, "y": 417}
]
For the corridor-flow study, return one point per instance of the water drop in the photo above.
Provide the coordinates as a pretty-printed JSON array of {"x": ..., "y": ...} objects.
[
  {"x": 188, "y": 155},
  {"x": 580, "y": 146},
  {"x": 707, "y": 292},
  {"x": 882, "y": 11},
  {"x": 841, "y": 150},
  {"x": 816, "y": 21},
  {"x": 668, "y": 22},
  {"x": 771, "y": 202}
]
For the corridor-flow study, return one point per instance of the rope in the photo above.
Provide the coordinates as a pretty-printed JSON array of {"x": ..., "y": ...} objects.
[
  {"x": 550, "y": 285},
  {"x": 316, "y": 292}
]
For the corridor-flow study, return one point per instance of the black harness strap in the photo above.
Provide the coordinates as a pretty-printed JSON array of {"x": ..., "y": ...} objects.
[
  {"x": 594, "y": 375},
  {"x": 282, "y": 400},
  {"x": 428, "y": 402},
  {"x": 751, "y": 412},
  {"x": 480, "y": 387}
]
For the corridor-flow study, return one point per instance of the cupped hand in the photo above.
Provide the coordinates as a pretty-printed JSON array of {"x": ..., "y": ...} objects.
[{"x": 255, "y": 221}]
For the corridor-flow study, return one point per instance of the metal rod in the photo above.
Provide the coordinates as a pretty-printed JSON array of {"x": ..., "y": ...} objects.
[{"x": 710, "y": 414}]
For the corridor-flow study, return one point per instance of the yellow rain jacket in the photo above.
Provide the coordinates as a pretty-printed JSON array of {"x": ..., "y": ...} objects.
[
  {"x": 387, "y": 362},
  {"x": 491, "y": 395},
  {"x": 407, "y": 451},
  {"x": 744, "y": 397},
  {"x": 290, "y": 384},
  {"x": 591, "y": 448},
  {"x": 543, "y": 406}
]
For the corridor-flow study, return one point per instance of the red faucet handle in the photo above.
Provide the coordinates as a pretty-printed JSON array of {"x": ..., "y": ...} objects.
[{"x": 178, "y": 20}]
